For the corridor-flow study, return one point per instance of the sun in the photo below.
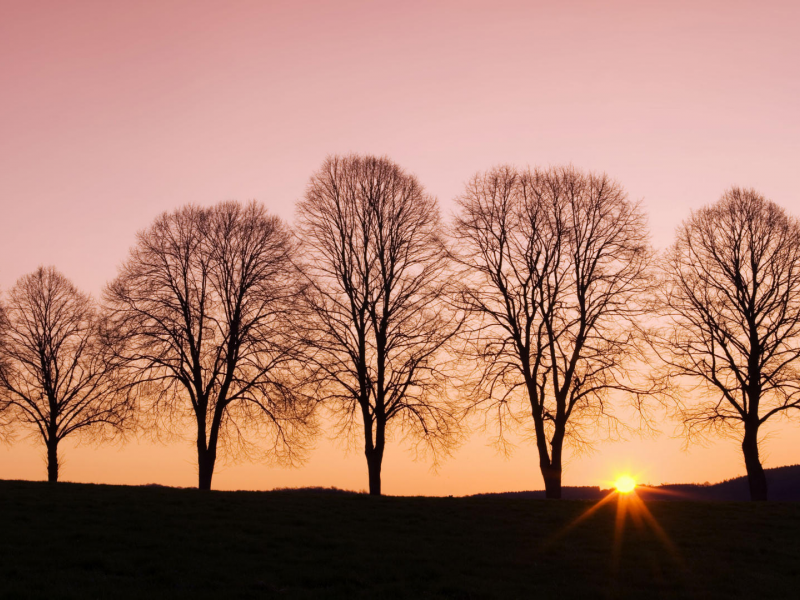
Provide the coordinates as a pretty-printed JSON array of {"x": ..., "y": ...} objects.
[{"x": 625, "y": 484}]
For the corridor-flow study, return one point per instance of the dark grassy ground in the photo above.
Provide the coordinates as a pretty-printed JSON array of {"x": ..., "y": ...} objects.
[{"x": 85, "y": 541}]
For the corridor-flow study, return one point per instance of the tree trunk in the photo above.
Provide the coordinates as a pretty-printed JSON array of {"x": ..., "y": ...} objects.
[
  {"x": 551, "y": 465},
  {"x": 374, "y": 462},
  {"x": 552, "y": 481},
  {"x": 205, "y": 468},
  {"x": 52, "y": 461},
  {"x": 756, "y": 478}
]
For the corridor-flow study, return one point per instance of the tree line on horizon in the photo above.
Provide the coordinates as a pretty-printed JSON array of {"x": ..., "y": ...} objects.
[{"x": 535, "y": 309}]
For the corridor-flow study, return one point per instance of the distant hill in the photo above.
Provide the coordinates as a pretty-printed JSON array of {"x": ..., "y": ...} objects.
[
  {"x": 783, "y": 484},
  {"x": 567, "y": 493}
]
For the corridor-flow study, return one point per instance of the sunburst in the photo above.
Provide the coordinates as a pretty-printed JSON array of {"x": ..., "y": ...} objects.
[
  {"x": 629, "y": 503},
  {"x": 625, "y": 484}
]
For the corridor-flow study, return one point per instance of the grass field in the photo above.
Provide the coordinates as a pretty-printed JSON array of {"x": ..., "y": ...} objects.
[{"x": 92, "y": 541}]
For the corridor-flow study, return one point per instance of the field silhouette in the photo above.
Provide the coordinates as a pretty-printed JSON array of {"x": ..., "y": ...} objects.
[{"x": 99, "y": 541}]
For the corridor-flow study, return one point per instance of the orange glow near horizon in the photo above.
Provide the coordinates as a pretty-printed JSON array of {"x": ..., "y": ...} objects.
[{"x": 114, "y": 112}]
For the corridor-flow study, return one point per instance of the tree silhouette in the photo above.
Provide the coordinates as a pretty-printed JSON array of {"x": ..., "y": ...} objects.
[
  {"x": 204, "y": 303},
  {"x": 553, "y": 261},
  {"x": 371, "y": 236},
  {"x": 731, "y": 295},
  {"x": 58, "y": 373}
]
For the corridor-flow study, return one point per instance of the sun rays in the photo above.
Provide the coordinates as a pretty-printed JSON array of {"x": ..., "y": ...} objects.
[{"x": 629, "y": 505}]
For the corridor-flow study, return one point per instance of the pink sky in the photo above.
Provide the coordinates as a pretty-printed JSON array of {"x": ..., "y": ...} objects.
[{"x": 113, "y": 112}]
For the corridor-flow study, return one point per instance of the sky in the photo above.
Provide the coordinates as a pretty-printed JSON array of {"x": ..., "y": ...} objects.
[{"x": 113, "y": 112}]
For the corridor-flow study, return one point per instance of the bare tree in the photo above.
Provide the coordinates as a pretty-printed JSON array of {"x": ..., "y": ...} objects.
[
  {"x": 553, "y": 261},
  {"x": 377, "y": 270},
  {"x": 58, "y": 374},
  {"x": 731, "y": 295},
  {"x": 6, "y": 418},
  {"x": 204, "y": 303}
]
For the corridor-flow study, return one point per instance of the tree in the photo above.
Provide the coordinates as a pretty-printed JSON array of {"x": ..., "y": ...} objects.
[
  {"x": 58, "y": 375},
  {"x": 6, "y": 418},
  {"x": 552, "y": 263},
  {"x": 377, "y": 267},
  {"x": 204, "y": 304},
  {"x": 731, "y": 295}
]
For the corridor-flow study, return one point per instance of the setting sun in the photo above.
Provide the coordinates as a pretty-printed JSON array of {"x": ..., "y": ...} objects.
[{"x": 625, "y": 484}]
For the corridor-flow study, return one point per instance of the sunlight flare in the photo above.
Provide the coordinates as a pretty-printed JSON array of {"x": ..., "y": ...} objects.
[{"x": 625, "y": 484}]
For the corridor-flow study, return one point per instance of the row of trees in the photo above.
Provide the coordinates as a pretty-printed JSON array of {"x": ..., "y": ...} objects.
[{"x": 539, "y": 304}]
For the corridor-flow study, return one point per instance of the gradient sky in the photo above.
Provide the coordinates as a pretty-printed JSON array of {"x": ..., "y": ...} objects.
[{"x": 112, "y": 112}]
